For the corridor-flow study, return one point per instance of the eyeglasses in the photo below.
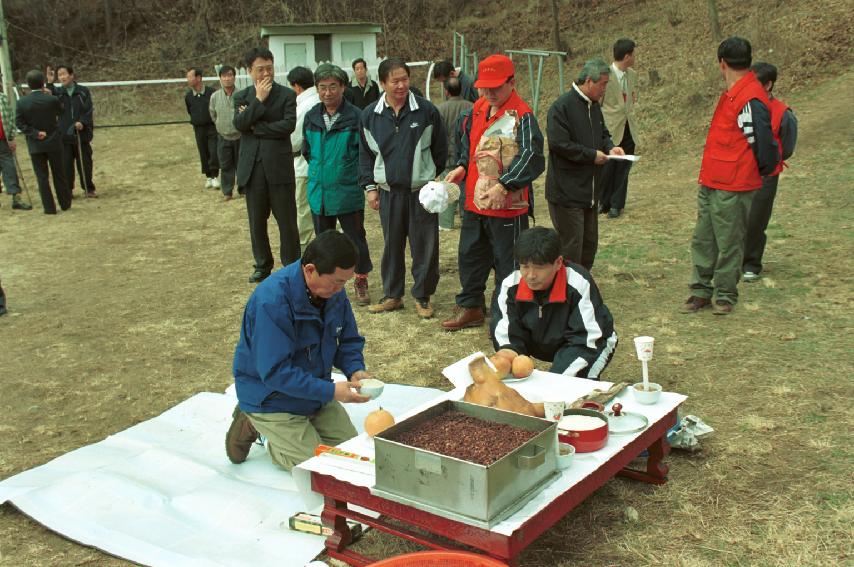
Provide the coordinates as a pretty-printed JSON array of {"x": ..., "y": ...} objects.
[{"x": 328, "y": 88}]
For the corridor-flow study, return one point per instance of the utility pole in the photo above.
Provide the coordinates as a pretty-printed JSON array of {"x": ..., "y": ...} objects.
[{"x": 6, "y": 62}]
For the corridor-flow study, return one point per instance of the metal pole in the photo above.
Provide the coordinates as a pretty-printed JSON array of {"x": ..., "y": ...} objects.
[
  {"x": 454, "y": 56},
  {"x": 531, "y": 80},
  {"x": 539, "y": 82},
  {"x": 82, "y": 166},
  {"x": 560, "y": 75},
  {"x": 6, "y": 63}
]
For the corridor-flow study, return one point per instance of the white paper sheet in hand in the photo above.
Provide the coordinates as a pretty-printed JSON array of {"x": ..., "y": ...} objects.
[{"x": 625, "y": 158}]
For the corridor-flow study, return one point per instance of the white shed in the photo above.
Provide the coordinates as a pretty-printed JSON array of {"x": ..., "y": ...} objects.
[{"x": 308, "y": 45}]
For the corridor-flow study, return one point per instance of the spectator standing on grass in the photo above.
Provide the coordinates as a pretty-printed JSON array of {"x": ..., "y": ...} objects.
[
  {"x": 403, "y": 146},
  {"x": 2, "y": 300},
  {"x": 495, "y": 212},
  {"x": 198, "y": 101},
  {"x": 331, "y": 148},
  {"x": 784, "y": 125},
  {"x": 297, "y": 325},
  {"x": 451, "y": 110},
  {"x": 363, "y": 90},
  {"x": 38, "y": 118},
  {"x": 8, "y": 146},
  {"x": 444, "y": 70},
  {"x": 77, "y": 127},
  {"x": 579, "y": 144},
  {"x": 228, "y": 137},
  {"x": 301, "y": 81},
  {"x": 266, "y": 117},
  {"x": 740, "y": 149},
  {"x": 618, "y": 108}
]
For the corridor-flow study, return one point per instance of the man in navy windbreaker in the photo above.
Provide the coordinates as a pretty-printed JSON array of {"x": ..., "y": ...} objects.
[{"x": 297, "y": 325}]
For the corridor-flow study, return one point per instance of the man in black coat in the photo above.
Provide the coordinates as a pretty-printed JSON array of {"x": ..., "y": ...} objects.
[
  {"x": 76, "y": 127},
  {"x": 363, "y": 90},
  {"x": 38, "y": 118},
  {"x": 266, "y": 115},
  {"x": 198, "y": 101},
  {"x": 579, "y": 145}
]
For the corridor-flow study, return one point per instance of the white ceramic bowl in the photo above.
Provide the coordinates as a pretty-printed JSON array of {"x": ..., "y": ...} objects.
[
  {"x": 647, "y": 397},
  {"x": 565, "y": 455},
  {"x": 371, "y": 387}
]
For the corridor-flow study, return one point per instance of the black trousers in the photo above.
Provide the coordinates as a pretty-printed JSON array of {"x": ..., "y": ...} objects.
[
  {"x": 206, "y": 142},
  {"x": 615, "y": 176},
  {"x": 760, "y": 214},
  {"x": 402, "y": 217},
  {"x": 486, "y": 243},
  {"x": 227, "y": 152},
  {"x": 353, "y": 225},
  {"x": 53, "y": 160},
  {"x": 578, "y": 230},
  {"x": 81, "y": 159},
  {"x": 262, "y": 198},
  {"x": 2, "y": 297}
]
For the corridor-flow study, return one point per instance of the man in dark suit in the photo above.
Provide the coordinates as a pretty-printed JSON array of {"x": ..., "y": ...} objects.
[
  {"x": 266, "y": 115},
  {"x": 38, "y": 117}
]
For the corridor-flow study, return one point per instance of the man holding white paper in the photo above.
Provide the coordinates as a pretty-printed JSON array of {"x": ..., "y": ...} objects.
[
  {"x": 618, "y": 109},
  {"x": 579, "y": 145}
]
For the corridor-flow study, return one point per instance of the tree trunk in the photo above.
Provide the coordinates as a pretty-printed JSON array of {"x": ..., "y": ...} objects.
[
  {"x": 713, "y": 16},
  {"x": 108, "y": 21},
  {"x": 556, "y": 29}
]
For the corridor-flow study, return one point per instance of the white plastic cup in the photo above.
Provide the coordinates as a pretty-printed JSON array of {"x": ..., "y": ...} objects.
[
  {"x": 554, "y": 410},
  {"x": 643, "y": 346}
]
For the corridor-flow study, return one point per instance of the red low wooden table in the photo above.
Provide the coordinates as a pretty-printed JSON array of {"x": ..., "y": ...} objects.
[{"x": 339, "y": 494}]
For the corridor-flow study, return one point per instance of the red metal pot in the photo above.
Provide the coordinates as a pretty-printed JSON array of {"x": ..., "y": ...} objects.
[{"x": 589, "y": 440}]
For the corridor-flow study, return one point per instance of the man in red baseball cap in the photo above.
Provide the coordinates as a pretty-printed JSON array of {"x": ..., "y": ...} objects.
[{"x": 497, "y": 187}]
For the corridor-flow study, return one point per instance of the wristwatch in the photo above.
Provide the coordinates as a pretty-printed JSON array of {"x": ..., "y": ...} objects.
[{"x": 370, "y": 188}]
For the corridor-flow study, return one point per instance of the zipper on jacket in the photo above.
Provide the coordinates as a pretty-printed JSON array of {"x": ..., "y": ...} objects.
[{"x": 593, "y": 192}]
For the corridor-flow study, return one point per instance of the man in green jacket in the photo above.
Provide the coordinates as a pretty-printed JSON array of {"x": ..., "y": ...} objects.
[{"x": 331, "y": 148}]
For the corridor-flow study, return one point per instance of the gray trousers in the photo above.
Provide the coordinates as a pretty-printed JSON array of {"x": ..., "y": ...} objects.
[
  {"x": 402, "y": 217},
  {"x": 9, "y": 171},
  {"x": 227, "y": 151}
]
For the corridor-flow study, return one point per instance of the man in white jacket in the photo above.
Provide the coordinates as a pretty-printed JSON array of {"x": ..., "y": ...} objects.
[{"x": 301, "y": 80}]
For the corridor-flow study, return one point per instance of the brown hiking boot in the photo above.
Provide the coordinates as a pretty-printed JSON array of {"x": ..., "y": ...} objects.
[
  {"x": 360, "y": 286},
  {"x": 423, "y": 308},
  {"x": 464, "y": 317},
  {"x": 240, "y": 437},
  {"x": 694, "y": 304},
  {"x": 387, "y": 304},
  {"x": 722, "y": 307}
]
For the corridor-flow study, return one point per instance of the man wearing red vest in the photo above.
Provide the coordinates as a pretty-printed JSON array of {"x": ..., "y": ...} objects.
[
  {"x": 740, "y": 149},
  {"x": 784, "y": 125},
  {"x": 493, "y": 219}
]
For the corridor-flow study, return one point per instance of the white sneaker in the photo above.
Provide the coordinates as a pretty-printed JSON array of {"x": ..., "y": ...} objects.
[
  {"x": 750, "y": 277},
  {"x": 208, "y": 183},
  {"x": 216, "y": 184}
]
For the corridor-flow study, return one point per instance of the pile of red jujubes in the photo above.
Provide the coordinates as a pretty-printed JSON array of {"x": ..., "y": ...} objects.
[{"x": 467, "y": 438}]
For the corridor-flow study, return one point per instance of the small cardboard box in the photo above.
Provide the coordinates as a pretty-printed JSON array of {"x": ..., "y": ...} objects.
[{"x": 311, "y": 524}]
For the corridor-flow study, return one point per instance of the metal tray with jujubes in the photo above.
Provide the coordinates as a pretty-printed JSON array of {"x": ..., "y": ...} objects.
[{"x": 485, "y": 482}]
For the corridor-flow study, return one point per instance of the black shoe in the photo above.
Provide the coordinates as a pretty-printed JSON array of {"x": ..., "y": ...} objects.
[
  {"x": 21, "y": 206},
  {"x": 258, "y": 276},
  {"x": 614, "y": 213},
  {"x": 3, "y": 311},
  {"x": 53, "y": 212}
]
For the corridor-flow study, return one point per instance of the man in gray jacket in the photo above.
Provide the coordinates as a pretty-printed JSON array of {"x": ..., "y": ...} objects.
[{"x": 228, "y": 142}]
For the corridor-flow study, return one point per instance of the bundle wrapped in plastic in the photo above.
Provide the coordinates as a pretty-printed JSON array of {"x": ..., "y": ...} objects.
[
  {"x": 436, "y": 196},
  {"x": 688, "y": 432},
  {"x": 494, "y": 153}
]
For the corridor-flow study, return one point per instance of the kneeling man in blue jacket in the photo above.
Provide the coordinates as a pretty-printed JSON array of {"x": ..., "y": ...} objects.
[{"x": 297, "y": 325}]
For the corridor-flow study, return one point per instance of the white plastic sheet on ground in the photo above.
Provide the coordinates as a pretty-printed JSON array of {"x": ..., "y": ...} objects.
[{"x": 164, "y": 493}]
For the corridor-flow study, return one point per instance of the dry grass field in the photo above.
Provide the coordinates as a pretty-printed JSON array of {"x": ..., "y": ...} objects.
[{"x": 124, "y": 306}]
